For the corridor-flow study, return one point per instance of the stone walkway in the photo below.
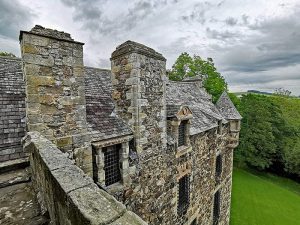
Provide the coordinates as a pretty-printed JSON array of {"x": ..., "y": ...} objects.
[{"x": 18, "y": 204}]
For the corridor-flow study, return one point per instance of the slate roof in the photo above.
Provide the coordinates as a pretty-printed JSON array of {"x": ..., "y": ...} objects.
[
  {"x": 11, "y": 76},
  {"x": 12, "y": 108},
  {"x": 102, "y": 121},
  {"x": 227, "y": 108},
  {"x": 172, "y": 110},
  {"x": 190, "y": 93}
]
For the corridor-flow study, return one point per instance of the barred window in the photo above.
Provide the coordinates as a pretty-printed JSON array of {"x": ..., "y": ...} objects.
[
  {"x": 183, "y": 194},
  {"x": 218, "y": 165},
  {"x": 194, "y": 222},
  {"x": 181, "y": 133},
  {"x": 219, "y": 127},
  {"x": 216, "y": 212},
  {"x": 111, "y": 164}
]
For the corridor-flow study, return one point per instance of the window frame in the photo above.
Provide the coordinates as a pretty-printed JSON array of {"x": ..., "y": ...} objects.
[
  {"x": 183, "y": 195},
  {"x": 216, "y": 207},
  {"x": 112, "y": 171},
  {"x": 182, "y": 130}
]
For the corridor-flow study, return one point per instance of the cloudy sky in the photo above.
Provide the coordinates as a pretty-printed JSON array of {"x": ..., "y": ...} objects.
[{"x": 255, "y": 43}]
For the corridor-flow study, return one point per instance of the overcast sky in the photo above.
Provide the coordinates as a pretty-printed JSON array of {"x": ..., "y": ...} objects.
[{"x": 255, "y": 43}]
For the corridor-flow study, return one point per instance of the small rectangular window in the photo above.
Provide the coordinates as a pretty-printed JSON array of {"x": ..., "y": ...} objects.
[
  {"x": 219, "y": 127},
  {"x": 111, "y": 164},
  {"x": 183, "y": 194},
  {"x": 218, "y": 165},
  {"x": 194, "y": 222},
  {"x": 181, "y": 133},
  {"x": 216, "y": 212}
]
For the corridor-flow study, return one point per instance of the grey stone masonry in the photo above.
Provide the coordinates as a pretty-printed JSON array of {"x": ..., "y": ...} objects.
[
  {"x": 55, "y": 94},
  {"x": 138, "y": 79},
  {"x": 66, "y": 193}
]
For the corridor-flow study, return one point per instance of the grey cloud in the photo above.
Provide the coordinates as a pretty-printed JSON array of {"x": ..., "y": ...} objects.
[
  {"x": 93, "y": 19},
  {"x": 13, "y": 17},
  {"x": 220, "y": 35},
  {"x": 276, "y": 44},
  {"x": 231, "y": 21}
]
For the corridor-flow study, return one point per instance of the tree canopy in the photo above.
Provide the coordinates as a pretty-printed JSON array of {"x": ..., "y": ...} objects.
[
  {"x": 7, "y": 54},
  {"x": 269, "y": 136},
  {"x": 187, "y": 66}
]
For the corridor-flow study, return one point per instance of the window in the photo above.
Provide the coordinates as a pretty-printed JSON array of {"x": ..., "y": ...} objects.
[
  {"x": 183, "y": 194},
  {"x": 111, "y": 164},
  {"x": 216, "y": 212},
  {"x": 181, "y": 133},
  {"x": 218, "y": 166},
  {"x": 194, "y": 222},
  {"x": 219, "y": 127}
]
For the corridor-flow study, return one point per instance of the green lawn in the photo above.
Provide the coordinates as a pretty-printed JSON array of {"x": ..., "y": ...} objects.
[{"x": 264, "y": 200}]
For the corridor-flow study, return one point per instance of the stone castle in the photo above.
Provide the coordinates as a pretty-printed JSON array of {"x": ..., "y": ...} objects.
[{"x": 134, "y": 147}]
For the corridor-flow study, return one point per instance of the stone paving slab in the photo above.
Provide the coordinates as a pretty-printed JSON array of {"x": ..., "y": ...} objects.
[
  {"x": 14, "y": 177},
  {"x": 18, "y": 205}
]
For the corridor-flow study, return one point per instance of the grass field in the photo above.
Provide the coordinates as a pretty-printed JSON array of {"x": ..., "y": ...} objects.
[{"x": 263, "y": 199}]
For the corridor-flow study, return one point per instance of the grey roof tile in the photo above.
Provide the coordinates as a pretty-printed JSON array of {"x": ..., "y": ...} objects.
[
  {"x": 102, "y": 121},
  {"x": 227, "y": 108},
  {"x": 190, "y": 93}
]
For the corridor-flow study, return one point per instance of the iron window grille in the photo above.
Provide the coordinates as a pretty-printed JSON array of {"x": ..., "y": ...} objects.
[
  {"x": 183, "y": 194},
  {"x": 216, "y": 212},
  {"x": 194, "y": 222},
  {"x": 111, "y": 164},
  {"x": 218, "y": 166},
  {"x": 219, "y": 127},
  {"x": 181, "y": 133}
]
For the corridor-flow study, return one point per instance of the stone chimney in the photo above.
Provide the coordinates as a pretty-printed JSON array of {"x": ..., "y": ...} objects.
[
  {"x": 138, "y": 79},
  {"x": 55, "y": 97}
]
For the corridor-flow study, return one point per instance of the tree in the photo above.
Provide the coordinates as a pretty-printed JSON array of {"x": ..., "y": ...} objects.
[
  {"x": 269, "y": 137},
  {"x": 282, "y": 92},
  {"x": 257, "y": 142},
  {"x": 7, "y": 54},
  {"x": 187, "y": 66}
]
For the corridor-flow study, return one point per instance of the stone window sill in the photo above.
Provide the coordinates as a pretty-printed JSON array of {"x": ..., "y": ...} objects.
[
  {"x": 182, "y": 150},
  {"x": 115, "y": 187}
]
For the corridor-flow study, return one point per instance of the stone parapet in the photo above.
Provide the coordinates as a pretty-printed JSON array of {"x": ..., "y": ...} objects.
[{"x": 66, "y": 193}]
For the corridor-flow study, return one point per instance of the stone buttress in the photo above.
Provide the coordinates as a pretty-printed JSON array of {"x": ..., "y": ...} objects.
[{"x": 55, "y": 97}]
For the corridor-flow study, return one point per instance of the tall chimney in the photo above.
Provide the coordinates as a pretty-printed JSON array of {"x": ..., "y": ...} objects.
[
  {"x": 138, "y": 79},
  {"x": 55, "y": 97}
]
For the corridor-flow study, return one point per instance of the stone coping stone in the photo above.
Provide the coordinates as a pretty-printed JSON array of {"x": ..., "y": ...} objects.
[
  {"x": 71, "y": 178},
  {"x": 126, "y": 219},
  {"x": 14, "y": 164},
  {"x": 94, "y": 206}
]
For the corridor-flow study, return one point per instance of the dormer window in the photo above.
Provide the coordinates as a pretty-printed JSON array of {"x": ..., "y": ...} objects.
[
  {"x": 182, "y": 133},
  {"x": 219, "y": 131}
]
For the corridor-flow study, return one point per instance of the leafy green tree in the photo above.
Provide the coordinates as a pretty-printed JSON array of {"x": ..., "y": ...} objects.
[
  {"x": 257, "y": 143},
  {"x": 270, "y": 133},
  {"x": 7, "y": 54},
  {"x": 187, "y": 66}
]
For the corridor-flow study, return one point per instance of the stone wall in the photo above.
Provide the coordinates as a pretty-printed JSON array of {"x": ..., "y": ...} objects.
[
  {"x": 139, "y": 92},
  {"x": 67, "y": 194},
  {"x": 138, "y": 79},
  {"x": 55, "y": 93}
]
